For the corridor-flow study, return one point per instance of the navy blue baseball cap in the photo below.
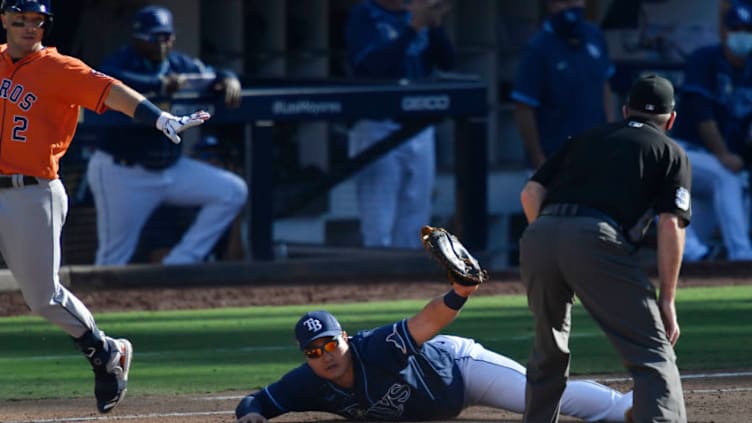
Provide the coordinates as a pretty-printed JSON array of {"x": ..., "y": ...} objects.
[
  {"x": 152, "y": 20},
  {"x": 314, "y": 325},
  {"x": 738, "y": 16}
]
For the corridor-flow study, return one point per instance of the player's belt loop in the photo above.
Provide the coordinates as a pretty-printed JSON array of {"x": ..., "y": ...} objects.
[{"x": 17, "y": 181}]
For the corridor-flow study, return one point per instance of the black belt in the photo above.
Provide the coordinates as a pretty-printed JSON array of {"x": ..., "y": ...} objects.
[
  {"x": 576, "y": 210},
  {"x": 6, "y": 181}
]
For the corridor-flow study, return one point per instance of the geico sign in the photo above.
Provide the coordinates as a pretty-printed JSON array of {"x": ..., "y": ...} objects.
[{"x": 427, "y": 102}]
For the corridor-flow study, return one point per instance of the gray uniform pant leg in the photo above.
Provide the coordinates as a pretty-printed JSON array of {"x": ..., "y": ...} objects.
[
  {"x": 617, "y": 293},
  {"x": 550, "y": 300},
  {"x": 594, "y": 261}
]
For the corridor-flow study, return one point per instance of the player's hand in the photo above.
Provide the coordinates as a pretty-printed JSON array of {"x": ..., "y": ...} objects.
[
  {"x": 731, "y": 161},
  {"x": 420, "y": 13},
  {"x": 171, "y": 125},
  {"x": 172, "y": 82},
  {"x": 670, "y": 323},
  {"x": 252, "y": 418},
  {"x": 232, "y": 90}
]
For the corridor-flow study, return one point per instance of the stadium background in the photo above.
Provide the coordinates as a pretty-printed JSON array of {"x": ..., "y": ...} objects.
[{"x": 300, "y": 42}]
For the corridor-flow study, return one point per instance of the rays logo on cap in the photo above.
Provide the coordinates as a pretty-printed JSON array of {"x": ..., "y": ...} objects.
[
  {"x": 313, "y": 325},
  {"x": 682, "y": 199},
  {"x": 744, "y": 14}
]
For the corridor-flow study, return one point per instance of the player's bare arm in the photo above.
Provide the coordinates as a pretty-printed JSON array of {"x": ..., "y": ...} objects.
[
  {"x": 123, "y": 99},
  {"x": 670, "y": 249},
  {"x": 436, "y": 314},
  {"x": 531, "y": 197}
]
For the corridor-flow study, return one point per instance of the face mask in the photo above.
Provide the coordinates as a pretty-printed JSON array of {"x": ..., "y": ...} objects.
[
  {"x": 740, "y": 43},
  {"x": 567, "y": 22}
]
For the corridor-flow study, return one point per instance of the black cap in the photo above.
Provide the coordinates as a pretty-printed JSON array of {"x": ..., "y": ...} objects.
[
  {"x": 652, "y": 94},
  {"x": 314, "y": 325}
]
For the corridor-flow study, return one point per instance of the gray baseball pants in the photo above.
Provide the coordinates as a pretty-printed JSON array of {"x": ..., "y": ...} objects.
[{"x": 561, "y": 257}]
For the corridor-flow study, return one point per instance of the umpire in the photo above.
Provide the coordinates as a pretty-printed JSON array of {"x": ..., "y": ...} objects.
[{"x": 588, "y": 208}]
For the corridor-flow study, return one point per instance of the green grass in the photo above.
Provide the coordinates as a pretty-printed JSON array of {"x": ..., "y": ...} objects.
[{"x": 242, "y": 349}]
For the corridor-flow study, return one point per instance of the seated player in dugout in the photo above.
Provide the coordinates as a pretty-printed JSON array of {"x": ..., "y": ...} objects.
[
  {"x": 130, "y": 176},
  {"x": 405, "y": 371}
]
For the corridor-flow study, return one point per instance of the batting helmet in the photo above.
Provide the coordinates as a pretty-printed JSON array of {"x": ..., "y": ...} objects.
[
  {"x": 39, "y": 6},
  {"x": 21, "y": 6}
]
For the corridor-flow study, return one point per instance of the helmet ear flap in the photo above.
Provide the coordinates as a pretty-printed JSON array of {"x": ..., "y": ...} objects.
[{"x": 48, "y": 20}]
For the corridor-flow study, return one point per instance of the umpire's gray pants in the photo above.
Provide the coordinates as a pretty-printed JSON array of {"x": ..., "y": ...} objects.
[{"x": 564, "y": 256}]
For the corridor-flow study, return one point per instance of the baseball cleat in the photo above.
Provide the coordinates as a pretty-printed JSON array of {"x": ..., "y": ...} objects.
[{"x": 111, "y": 380}]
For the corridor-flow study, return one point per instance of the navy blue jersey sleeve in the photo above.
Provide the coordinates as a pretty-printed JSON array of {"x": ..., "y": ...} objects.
[{"x": 298, "y": 390}]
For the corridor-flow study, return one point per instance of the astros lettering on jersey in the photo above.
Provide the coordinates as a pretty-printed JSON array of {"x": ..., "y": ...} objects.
[{"x": 36, "y": 130}]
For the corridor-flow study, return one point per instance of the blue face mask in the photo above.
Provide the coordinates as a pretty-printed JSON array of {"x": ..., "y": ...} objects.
[
  {"x": 740, "y": 43},
  {"x": 567, "y": 22}
]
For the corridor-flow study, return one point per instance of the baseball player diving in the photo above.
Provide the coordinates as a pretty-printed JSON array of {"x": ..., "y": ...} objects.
[
  {"x": 403, "y": 371},
  {"x": 41, "y": 91}
]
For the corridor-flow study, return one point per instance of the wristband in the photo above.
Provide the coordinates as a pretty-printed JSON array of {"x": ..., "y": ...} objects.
[
  {"x": 146, "y": 113},
  {"x": 454, "y": 300}
]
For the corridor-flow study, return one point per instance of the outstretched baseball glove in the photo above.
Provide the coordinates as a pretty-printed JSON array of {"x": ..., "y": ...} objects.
[{"x": 463, "y": 268}]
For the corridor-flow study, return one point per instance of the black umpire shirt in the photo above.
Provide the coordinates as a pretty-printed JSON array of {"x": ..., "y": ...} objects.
[{"x": 630, "y": 171}]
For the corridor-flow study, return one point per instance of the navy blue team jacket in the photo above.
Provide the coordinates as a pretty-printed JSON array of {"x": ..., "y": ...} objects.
[
  {"x": 381, "y": 44},
  {"x": 144, "y": 145}
]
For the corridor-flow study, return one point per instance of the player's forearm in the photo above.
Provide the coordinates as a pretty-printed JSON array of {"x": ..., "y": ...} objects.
[
  {"x": 438, "y": 313},
  {"x": 123, "y": 99},
  {"x": 670, "y": 250}
]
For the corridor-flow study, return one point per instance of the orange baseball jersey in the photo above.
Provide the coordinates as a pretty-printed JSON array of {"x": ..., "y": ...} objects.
[{"x": 40, "y": 97}]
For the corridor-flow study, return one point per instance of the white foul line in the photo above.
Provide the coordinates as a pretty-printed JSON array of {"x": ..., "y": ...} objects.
[
  {"x": 234, "y": 397},
  {"x": 692, "y": 376},
  {"x": 127, "y": 417}
]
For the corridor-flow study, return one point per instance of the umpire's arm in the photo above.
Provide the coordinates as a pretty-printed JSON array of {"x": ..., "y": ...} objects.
[
  {"x": 671, "y": 234},
  {"x": 532, "y": 197}
]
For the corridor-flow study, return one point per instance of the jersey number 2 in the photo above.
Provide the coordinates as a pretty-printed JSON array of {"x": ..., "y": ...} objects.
[{"x": 20, "y": 125}]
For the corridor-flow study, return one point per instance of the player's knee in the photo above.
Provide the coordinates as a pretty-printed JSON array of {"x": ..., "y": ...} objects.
[
  {"x": 238, "y": 192},
  {"x": 38, "y": 306}
]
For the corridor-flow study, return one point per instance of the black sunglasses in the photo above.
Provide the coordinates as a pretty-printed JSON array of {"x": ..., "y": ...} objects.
[{"x": 329, "y": 346}]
